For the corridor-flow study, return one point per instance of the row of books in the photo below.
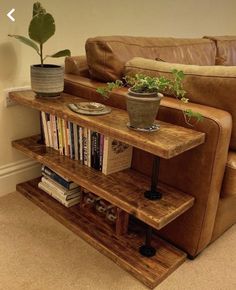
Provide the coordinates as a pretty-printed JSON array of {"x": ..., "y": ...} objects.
[
  {"x": 89, "y": 147},
  {"x": 63, "y": 190}
]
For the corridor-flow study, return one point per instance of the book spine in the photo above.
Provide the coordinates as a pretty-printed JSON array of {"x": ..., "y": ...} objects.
[
  {"x": 85, "y": 146},
  {"x": 101, "y": 151},
  {"x": 45, "y": 128},
  {"x": 60, "y": 136},
  {"x": 105, "y": 154},
  {"x": 65, "y": 137},
  {"x": 89, "y": 148},
  {"x": 71, "y": 140},
  {"x": 55, "y": 137},
  {"x": 49, "y": 129},
  {"x": 75, "y": 141},
  {"x": 56, "y": 177},
  {"x": 97, "y": 149},
  {"x": 93, "y": 145},
  {"x": 78, "y": 141},
  {"x": 81, "y": 144},
  {"x": 52, "y": 130}
]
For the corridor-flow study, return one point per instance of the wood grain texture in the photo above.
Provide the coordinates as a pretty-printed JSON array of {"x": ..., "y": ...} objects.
[
  {"x": 123, "y": 250},
  {"x": 122, "y": 222},
  {"x": 124, "y": 189},
  {"x": 168, "y": 142}
]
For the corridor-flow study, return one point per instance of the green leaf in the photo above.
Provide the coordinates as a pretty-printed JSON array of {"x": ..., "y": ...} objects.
[
  {"x": 38, "y": 9},
  {"x": 42, "y": 27},
  {"x": 65, "y": 52},
  {"x": 26, "y": 41}
]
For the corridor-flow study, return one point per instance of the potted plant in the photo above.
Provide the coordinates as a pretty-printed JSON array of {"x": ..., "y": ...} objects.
[
  {"x": 144, "y": 96},
  {"x": 47, "y": 80}
]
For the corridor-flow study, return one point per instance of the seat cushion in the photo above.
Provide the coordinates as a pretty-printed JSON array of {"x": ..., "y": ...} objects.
[
  {"x": 213, "y": 86},
  {"x": 229, "y": 182},
  {"x": 226, "y": 49},
  {"x": 107, "y": 56}
]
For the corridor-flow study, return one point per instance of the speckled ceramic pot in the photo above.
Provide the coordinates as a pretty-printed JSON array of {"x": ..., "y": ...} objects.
[
  {"x": 142, "y": 108},
  {"x": 47, "y": 81}
]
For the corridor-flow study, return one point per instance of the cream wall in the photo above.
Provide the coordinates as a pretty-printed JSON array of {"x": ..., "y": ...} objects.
[{"x": 76, "y": 20}]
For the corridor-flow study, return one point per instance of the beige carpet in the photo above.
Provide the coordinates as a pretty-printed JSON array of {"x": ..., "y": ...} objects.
[{"x": 37, "y": 252}]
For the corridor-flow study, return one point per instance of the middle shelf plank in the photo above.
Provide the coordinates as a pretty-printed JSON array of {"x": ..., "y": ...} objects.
[{"x": 124, "y": 189}]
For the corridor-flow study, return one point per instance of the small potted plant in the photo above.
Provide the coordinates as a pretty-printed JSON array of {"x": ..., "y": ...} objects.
[
  {"x": 144, "y": 96},
  {"x": 47, "y": 80}
]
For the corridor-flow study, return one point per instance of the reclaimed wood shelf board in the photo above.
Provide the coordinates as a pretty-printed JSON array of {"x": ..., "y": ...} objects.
[
  {"x": 123, "y": 250},
  {"x": 124, "y": 189},
  {"x": 169, "y": 141}
]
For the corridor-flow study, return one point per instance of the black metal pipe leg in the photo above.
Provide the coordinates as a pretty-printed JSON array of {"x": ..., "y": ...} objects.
[
  {"x": 153, "y": 194},
  {"x": 147, "y": 250},
  {"x": 41, "y": 139}
]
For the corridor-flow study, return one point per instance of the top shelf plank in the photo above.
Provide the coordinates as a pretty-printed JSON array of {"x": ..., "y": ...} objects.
[{"x": 169, "y": 141}]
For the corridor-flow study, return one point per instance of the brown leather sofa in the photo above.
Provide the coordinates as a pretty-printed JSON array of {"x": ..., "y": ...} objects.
[{"x": 207, "y": 172}]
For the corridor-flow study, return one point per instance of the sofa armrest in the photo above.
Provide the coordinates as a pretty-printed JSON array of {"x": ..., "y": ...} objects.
[
  {"x": 198, "y": 172},
  {"x": 77, "y": 65}
]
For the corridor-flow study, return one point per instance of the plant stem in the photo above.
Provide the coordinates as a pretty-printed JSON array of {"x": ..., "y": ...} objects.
[{"x": 41, "y": 54}]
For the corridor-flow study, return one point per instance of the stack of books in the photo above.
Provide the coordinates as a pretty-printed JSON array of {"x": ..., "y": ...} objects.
[
  {"x": 89, "y": 147},
  {"x": 63, "y": 190}
]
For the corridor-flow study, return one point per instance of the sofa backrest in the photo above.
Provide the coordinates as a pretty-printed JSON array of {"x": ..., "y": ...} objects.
[
  {"x": 213, "y": 86},
  {"x": 225, "y": 49},
  {"x": 106, "y": 56}
]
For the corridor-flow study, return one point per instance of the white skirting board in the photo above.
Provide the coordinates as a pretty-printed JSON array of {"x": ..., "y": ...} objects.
[{"x": 17, "y": 172}]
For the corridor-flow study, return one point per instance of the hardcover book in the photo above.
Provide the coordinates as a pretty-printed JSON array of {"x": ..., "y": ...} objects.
[
  {"x": 50, "y": 191},
  {"x": 117, "y": 155},
  {"x": 58, "y": 178},
  {"x": 64, "y": 192}
]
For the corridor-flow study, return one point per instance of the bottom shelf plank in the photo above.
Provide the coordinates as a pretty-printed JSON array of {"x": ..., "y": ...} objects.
[{"x": 122, "y": 249}]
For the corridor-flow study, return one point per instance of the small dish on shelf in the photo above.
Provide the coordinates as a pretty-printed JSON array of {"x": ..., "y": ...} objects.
[{"x": 89, "y": 108}]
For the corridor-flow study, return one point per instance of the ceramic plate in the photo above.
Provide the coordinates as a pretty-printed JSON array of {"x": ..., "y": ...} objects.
[{"x": 90, "y": 106}]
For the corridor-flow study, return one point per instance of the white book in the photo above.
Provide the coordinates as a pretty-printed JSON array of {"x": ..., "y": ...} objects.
[
  {"x": 117, "y": 155},
  {"x": 49, "y": 129},
  {"x": 55, "y": 137},
  {"x": 45, "y": 128},
  {"x": 67, "y": 203},
  {"x": 62, "y": 191}
]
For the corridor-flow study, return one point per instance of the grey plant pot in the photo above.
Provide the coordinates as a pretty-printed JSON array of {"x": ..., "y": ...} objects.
[
  {"x": 142, "y": 109},
  {"x": 47, "y": 81}
]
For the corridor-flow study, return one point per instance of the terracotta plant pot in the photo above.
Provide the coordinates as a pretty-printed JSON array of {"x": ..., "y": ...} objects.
[
  {"x": 142, "y": 109},
  {"x": 47, "y": 81}
]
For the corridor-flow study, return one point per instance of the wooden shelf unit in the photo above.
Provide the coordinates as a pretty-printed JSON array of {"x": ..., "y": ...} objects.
[
  {"x": 169, "y": 141},
  {"x": 124, "y": 189},
  {"x": 121, "y": 249}
]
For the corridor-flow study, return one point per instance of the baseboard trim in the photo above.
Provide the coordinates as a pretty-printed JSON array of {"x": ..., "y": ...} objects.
[
  {"x": 14, "y": 167},
  {"x": 17, "y": 172}
]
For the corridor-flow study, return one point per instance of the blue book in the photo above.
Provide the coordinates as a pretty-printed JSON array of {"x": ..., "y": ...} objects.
[{"x": 58, "y": 178}]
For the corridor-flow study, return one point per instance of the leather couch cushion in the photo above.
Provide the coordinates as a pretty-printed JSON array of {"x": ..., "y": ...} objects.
[
  {"x": 107, "y": 56},
  {"x": 214, "y": 86},
  {"x": 77, "y": 65},
  {"x": 225, "y": 216},
  {"x": 229, "y": 182},
  {"x": 226, "y": 49}
]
